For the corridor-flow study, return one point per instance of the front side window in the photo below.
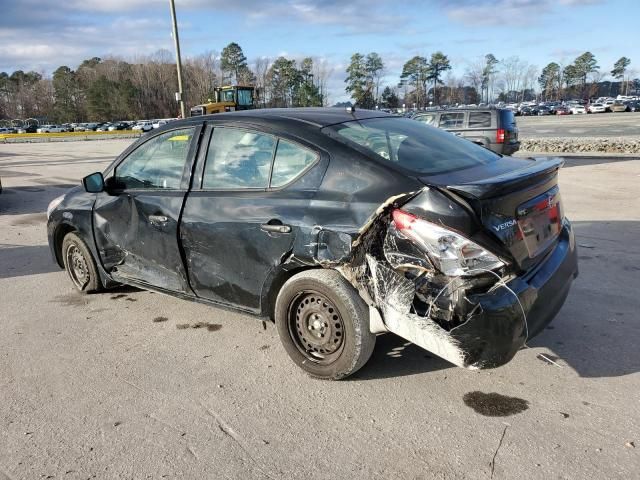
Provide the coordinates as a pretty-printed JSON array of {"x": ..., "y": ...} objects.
[
  {"x": 451, "y": 120},
  {"x": 238, "y": 159},
  {"x": 412, "y": 145},
  {"x": 291, "y": 160},
  {"x": 158, "y": 163}
]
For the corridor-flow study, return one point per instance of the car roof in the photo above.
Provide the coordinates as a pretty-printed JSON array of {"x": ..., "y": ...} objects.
[
  {"x": 463, "y": 109},
  {"x": 316, "y": 116}
]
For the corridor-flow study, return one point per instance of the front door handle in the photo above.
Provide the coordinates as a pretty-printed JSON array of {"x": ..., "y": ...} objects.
[
  {"x": 158, "y": 219},
  {"x": 275, "y": 228}
]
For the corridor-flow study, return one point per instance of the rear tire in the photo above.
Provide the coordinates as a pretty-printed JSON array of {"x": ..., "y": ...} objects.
[
  {"x": 80, "y": 264},
  {"x": 323, "y": 324}
]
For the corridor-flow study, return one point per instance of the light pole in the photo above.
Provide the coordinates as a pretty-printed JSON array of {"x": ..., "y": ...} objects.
[{"x": 176, "y": 41}]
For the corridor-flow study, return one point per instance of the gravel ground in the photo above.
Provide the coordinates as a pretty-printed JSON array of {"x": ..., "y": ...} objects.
[
  {"x": 130, "y": 384},
  {"x": 609, "y": 145}
]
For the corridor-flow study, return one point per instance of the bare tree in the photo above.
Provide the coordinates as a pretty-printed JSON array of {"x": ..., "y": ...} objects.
[
  {"x": 261, "y": 67},
  {"x": 200, "y": 76},
  {"x": 474, "y": 74},
  {"x": 322, "y": 71}
]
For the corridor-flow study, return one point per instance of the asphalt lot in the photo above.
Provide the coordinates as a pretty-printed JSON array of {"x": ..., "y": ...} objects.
[
  {"x": 595, "y": 125},
  {"x": 120, "y": 384}
]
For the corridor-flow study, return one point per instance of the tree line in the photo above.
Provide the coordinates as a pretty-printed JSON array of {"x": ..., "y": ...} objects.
[
  {"x": 118, "y": 89},
  {"x": 428, "y": 81}
]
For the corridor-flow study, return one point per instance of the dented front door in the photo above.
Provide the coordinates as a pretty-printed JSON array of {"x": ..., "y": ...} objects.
[{"x": 136, "y": 221}]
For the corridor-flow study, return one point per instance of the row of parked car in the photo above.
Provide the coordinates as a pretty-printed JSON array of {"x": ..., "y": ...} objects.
[
  {"x": 575, "y": 107},
  {"x": 140, "y": 125}
]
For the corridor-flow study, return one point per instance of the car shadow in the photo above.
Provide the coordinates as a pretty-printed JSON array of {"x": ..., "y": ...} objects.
[
  {"x": 596, "y": 331},
  {"x": 590, "y": 161},
  {"x": 396, "y": 357},
  {"x": 30, "y": 199},
  {"x": 22, "y": 260},
  {"x": 123, "y": 289}
]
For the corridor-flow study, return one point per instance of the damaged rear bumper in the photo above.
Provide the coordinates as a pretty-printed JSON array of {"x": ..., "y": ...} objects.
[
  {"x": 501, "y": 323},
  {"x": 493, "y": 337}
]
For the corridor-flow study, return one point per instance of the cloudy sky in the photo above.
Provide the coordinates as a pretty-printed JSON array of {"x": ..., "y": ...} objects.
[{"x": 42, "y": 35}]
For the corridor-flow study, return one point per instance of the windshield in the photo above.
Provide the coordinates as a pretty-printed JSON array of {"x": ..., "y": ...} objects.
[
  {"x": 412, "y": 145},
  {"x": 245, "y": 97}
]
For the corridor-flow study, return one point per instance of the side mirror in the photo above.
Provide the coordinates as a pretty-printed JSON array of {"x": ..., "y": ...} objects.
[{"x": 93, "y": 183}]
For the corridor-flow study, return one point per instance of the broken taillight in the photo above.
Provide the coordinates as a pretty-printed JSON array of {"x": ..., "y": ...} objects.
[
  {"x": 500, "y": 133},
  {"x": 450, "y": 252}
]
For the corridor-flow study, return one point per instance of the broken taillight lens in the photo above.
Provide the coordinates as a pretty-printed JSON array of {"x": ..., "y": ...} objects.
[{"x": 450, "y": 252}]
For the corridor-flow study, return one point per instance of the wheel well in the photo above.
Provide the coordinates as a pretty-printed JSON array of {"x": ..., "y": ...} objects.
[
  {"x": 276, "y": 286},
  {"x": 61, "y": 232}
]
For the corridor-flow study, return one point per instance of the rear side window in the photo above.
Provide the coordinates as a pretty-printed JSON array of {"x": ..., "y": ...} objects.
[
  {"x": 479, "y": 119},
  {"x": 238, "y": 159},
  {"x": 411, "y": 145},
  {"x": 452, "y": 120},
  {"x": 291, "y": 160}
]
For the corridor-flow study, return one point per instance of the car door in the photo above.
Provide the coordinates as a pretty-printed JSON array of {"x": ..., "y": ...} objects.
[
  {"x": 136, "y": 219},
  {"x": 243, "y": 220}
]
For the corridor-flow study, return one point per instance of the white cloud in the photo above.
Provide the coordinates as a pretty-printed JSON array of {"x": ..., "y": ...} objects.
[{"x": 496, "y": 12}]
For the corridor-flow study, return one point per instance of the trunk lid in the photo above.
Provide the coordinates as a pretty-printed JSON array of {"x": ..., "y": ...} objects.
[{"x": 517, "y": 202}]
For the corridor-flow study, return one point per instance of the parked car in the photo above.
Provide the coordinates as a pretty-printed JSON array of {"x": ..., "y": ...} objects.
[
  {"x": 28, "y": 129},
  {"x": 633, "y": 106},
  {"x": 50, "y": 129},
  {"x": 544, "y": 110},
  {"x": 7, "y": 130},
  {"x": 492, "y": 128},
  {"x": 596, "y": 108},
  {"x": 562, "y": 110},
  {"x": 144, "y": 126},
  {"x": 335, "y": 224},
  {"x": 576, "y": 109},
  {"x": 618, "y": 106},
  {"x": 159, "y": 123}
]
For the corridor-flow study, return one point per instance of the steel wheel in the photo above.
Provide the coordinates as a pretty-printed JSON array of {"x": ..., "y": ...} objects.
[
  {"x": 316, "y": 327},
  {"x": 77, "y": 266}
]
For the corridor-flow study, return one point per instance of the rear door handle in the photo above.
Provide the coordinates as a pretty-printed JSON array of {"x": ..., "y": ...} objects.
[
  {"x": 158, "y": 219},
  {"x": 275, "y": 228}
]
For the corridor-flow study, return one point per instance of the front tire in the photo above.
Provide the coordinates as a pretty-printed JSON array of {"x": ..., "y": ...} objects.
[
  {"x": 323, "y": 324},
  {"x": 80, "y": 264}
]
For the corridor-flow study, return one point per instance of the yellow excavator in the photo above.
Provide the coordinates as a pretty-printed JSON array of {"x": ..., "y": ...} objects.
[{"x": 227, "y": 99}]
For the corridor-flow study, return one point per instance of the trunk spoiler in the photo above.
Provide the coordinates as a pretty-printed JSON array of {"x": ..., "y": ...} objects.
[{"x": 538, "y": 170}]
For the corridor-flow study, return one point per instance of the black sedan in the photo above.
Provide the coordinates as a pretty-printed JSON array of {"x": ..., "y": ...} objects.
[{"x": 336, "y": 224}]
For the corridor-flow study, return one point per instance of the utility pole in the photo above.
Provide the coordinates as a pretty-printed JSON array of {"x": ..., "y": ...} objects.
[{"x": 176, "y": 41}]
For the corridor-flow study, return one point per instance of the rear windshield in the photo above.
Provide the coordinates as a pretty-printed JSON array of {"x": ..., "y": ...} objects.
[{"x": 412, "y": 145}]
